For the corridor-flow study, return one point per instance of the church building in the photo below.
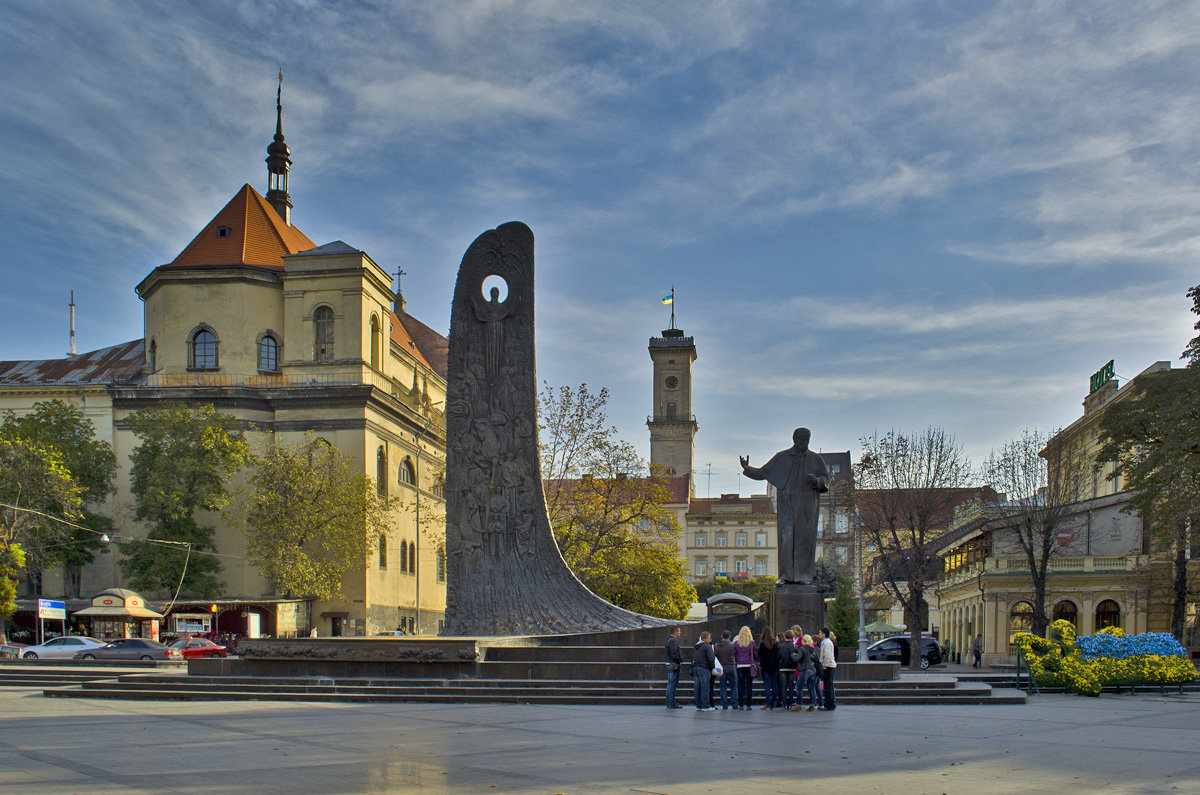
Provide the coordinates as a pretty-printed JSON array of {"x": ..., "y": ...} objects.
[{"x": 289, "y": 337}]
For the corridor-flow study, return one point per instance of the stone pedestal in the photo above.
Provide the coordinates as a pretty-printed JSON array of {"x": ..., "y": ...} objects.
[{"x": 793, "y": 603}]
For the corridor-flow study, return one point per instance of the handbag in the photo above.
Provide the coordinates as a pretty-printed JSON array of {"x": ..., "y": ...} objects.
[
  {"x": 719, "y": 670},
  {"x": 755, "y": 669}
]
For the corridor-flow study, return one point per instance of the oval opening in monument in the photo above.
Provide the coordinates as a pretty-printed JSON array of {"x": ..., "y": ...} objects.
[{"x": 498, "y": 284}]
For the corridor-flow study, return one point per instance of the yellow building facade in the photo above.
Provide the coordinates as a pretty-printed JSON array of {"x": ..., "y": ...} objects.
[
  {"x": 1102, "y": 572},
  {"x": 290, "y": 338}
]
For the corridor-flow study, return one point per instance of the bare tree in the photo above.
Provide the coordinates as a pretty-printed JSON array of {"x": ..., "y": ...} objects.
[
  {"x": 906, "y": 491},
  {"x": 1038, "y": 487}
]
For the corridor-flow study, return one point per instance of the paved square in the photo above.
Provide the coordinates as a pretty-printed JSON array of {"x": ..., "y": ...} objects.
[{"x": 1146, "y": 743}]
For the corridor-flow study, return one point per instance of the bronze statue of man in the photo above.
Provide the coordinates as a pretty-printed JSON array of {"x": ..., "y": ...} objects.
[{"x": 800, "y": 477}]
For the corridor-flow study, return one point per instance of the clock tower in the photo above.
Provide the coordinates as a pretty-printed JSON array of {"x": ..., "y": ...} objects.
[{"x": 672, "y": 425}]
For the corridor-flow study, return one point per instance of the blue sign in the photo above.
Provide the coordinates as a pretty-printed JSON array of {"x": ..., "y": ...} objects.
[{"x": 50, "y": 609}]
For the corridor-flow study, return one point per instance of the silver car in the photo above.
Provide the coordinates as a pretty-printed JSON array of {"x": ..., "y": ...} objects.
[
  {"x": 130, "y": 649},
  {"x": 62, "y": 648}
]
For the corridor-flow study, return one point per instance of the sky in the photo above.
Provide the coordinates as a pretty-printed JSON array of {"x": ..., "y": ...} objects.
[{"x": 874, "y": 215}]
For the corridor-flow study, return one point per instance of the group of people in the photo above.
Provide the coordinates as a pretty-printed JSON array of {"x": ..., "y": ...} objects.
[{"x": 789, "y": 664}]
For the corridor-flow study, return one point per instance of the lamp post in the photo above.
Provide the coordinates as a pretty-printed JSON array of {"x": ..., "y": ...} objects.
[{"x": 862, "y": 623}]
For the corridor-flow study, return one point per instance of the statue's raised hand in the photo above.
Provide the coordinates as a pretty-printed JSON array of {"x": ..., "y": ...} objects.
[{"x": 744, "y": 460}]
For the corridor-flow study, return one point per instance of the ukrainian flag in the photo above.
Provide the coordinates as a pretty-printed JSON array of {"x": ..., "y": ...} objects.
[{"x": 669, "y": 299}]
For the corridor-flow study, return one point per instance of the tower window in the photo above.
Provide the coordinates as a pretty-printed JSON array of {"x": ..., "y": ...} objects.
[
  {"x": 268, "y": 354},
  {"x": 153, "y": 355},
  {"x": 224, "y": 231},
  {"x": 204, "y": 350},
  {"x": 323, "y": 328},
  {"x": 383, "y": 552}
]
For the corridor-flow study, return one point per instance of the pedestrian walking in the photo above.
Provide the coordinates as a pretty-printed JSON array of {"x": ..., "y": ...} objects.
[
  {"x": 674, "y": 663},
  {"x": 806, "y": 676},
  {"x": 704, "y": 660},
  {"x": 786, "y": 653},
  {"x": 829, "y": 666},
  {"x": 769, "y": 660},
  {"x": 727, "y": 681},
  {"x": 977, "y": 651},
  {"x": 745, "y": 655}
]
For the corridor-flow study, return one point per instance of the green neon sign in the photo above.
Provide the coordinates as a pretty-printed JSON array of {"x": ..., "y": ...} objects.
[{"x": 1103, "y": 375}]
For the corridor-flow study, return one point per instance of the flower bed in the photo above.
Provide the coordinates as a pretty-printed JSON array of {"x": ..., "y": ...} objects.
[{"x": 1110, "y": 658}]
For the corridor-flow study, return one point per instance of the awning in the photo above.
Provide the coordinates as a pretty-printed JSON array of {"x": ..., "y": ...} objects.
[
  {"x": 880, "y": 628},
  {"x": 118, "y": 612},
  {"x": 191, "y": 615}
]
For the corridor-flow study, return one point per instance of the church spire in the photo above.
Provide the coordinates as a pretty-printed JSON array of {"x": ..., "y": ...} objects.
[{"x": 279, "y": 162}]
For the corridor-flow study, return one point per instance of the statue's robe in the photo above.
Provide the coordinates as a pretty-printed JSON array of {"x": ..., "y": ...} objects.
[{"x": 797, "y": 509}]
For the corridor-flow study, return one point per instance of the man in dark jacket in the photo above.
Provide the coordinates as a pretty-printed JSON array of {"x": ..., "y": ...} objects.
[
  {"x": 727, "y": 683},
  {"x": 674, "y": 663},
  {"x": 704, "y": 660}
]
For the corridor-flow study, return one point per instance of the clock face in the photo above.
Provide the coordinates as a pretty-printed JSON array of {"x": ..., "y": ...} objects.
[{"x": 672, "y": 382}]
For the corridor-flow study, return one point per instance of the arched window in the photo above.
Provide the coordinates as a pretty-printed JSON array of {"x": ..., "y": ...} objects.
[
  {"x": 407, "y": 474},
  {"x": 403, "y": 557},
  {"x": 323, "y": 327},
  {"x": 383, "y": 552},
  {"x": 1108, "y": 614},
  {"x": 1020, "y": 619},
  {"x": 439, "y": 487},
  {"x": 441, "y": 565},
  {"x": 1066, "y": 610},
  {"x": 268, "y": 354},
  {"x": 152, "y": 355},
  {"x": 381, "y": 467},
  {"x": 204, "y": 350},
  {"x": 412, "y": 557},
  {"x": 376, "y": 342}
]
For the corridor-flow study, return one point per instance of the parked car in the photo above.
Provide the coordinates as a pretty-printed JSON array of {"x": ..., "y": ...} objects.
[
  {"x": 62, "y": 648},
  {"x": 895, "y": 649},
  {"x": 130, "y": 649},
  {"x": 195, "y": 648}
]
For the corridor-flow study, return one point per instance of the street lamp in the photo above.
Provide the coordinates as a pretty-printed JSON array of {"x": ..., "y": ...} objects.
[{"x": 862, "y": 623}]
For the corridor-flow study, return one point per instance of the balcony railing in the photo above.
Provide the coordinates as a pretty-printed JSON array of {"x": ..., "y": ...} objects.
[{"x": 291, "y": 380}]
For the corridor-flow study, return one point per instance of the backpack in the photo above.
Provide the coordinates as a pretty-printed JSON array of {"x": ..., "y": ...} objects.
[{"x": 816, "y": 657}]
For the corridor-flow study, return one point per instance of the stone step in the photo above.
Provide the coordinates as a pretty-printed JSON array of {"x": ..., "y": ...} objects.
[
  {"x": 659, "y": 684},
  {"x": 475, "y": 689},
  {"x": 212, "y": 694}
]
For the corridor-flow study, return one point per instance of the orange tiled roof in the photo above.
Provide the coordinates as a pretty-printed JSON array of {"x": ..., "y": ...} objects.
[{"x": 256, "y": 236}]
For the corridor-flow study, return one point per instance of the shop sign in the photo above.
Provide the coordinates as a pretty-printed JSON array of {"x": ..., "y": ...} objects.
[
  {"x": 51, "y": 609},
  {"x": 1067, "y": 536},
  {"x": 1103, "y": 375}
]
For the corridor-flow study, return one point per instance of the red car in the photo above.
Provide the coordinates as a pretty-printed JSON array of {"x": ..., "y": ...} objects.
[{"x": 192, "y": 648}]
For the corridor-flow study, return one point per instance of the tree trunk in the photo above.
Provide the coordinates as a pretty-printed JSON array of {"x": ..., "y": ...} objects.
[
  {"x": 1179, "y": 602},
  {"x": 1041, "y": 621},
  {"x": 912, "y": 615}
]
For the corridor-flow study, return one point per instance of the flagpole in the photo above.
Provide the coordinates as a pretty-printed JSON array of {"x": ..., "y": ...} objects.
[{"x": 672, "y": 306}]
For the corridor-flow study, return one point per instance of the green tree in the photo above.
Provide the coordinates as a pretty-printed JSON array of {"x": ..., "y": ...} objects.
[
  {"x": 608, "y": 511},
  {"x": 309, "y": 516},
  {"x": 35, "y": 491},
  {"x": 841, "y": 615},
  {"x": 186, "y": 456},
  {"x": 1153, "y": 440},
  {"x": 92, "y": 464}
]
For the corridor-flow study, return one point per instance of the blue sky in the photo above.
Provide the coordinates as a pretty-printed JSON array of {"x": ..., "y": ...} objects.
[{"x": 875, "y": 215}]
